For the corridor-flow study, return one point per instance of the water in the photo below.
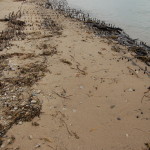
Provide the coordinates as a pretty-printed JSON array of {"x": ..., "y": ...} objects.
[{"x": 131, "y": 15}]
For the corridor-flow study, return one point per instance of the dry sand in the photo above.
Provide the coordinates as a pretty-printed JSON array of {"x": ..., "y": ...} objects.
[{"x": 91, "y": 97}]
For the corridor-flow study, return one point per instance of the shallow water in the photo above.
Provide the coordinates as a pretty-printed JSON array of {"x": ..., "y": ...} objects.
[{"x": 131, "y": 15}]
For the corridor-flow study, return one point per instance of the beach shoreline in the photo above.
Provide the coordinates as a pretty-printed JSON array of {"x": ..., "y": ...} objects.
[{"x": 64, "y": 87}]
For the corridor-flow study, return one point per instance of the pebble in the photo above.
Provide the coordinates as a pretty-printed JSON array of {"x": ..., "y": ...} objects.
[
  {"x": 38, "y": 91},
  {"x": 113, "y": 106},
  {"x": 81, "y": 87},
  {"x": 15, "y": 108},
  {"x": 131, "y": 90},
  {"x": 118, "y": 118},
  {"x": 9, "y": 117},
  {"x": 30, "y": 137},
  {"x": 2, "y": 146},
  {"x": 33, "y": 101},
  {"x": 74, "y": 110},
  {"x": 20, "y": 122},
  {"x": 38, "y": 145}
]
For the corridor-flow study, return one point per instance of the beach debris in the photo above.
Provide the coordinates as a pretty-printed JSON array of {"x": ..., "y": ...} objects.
[
  {"x": 35, "y": 124},
  {"x": 14, "y": 30},
  {"x": 118, "y": 118},
  {"x": 18, "y": 104},
  {"x": 146, "y": 94},
  {"x": 66, "y": 62},
  {"x": 74, "y": 110},
  {"x": 37, "y": 145},
  {"x": 131, "y": 90},
  {"x": 49, "y": 53},
  {"x": 30, "y": 137},
  {"x": 81, "y": 87},
  {"x": 147, "y": 146},
  {"x": 135, "y": 73},
  {"x": 93, "y": 129},
  {"x": 46, "y": 140},
  {"x": 112, "y": 106},
  {"x": 63, "y": 94},
  {"x": 82, "y": 71},
  {"x": 11, "y": 140}
]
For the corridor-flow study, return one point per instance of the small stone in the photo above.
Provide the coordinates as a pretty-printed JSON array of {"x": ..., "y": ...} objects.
[
  {"x": 30, "y": 137},
  {"x": 113, "y": 106},
  {"x": 33, "y": 101},
  {"x": 38, "y": 145},
  {"x": 15, "y": 108},
  {"x": 81, "y": 87},
  {"x": 9, "y": 117},
  {"x": 20, "y": 122},
  {"x": 14, "y": 96},
  {"x": 136, "y": 72},
  {"x": 118, "y": 118},
  {"x": 3, "y": 146},
  {"x": 23, "y": 104},
  {"x": 131, "y": 90},
  {"x": 38, "y": 91},
  {"x": 127, "y": 135},
  {"x": 35, "y": 124},
  {"x": 74, "y": 110}
]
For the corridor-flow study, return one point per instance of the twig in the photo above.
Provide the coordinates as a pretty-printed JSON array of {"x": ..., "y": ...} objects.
[
  {"x": 145, "y": 95},
  {"x": 133, "y": 72},
  {"x": 82, "y": 71},
  {"x": 65, "y": 97}
]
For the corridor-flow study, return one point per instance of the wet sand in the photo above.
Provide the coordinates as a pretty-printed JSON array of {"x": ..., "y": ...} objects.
[{"x": 92, "y": 97}]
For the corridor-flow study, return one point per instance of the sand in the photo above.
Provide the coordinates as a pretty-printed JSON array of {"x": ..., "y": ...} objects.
[{"x": 91, "y": 97}]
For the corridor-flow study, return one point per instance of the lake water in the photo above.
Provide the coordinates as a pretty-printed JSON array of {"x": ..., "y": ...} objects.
[{"x": 131, "y": 15}]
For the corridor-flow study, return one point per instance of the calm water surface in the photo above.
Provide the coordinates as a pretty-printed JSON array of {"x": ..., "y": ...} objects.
[{"x": 132, "y": 15}]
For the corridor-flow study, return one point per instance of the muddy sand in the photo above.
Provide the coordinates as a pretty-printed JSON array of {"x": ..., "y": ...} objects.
[{"x": 63, "y": 88}]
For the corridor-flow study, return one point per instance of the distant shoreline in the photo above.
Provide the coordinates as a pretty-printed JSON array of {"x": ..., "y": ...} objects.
[{"x": 134, "y": 22}]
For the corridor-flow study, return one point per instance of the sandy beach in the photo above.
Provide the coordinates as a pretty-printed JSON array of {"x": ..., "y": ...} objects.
[{"x": 63, "y": 88}]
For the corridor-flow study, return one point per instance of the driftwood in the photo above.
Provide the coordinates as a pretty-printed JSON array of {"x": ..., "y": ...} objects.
[
  {"x": 106, "y": 28},
  {"x": 4, "y": 20}
]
